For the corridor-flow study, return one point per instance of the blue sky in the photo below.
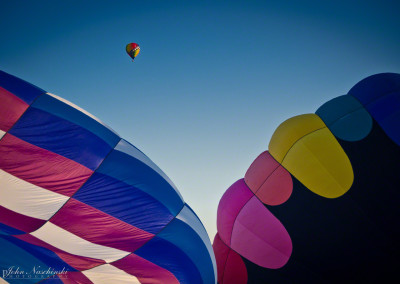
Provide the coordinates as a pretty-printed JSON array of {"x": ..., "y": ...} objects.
[{"x": 213, "y": 79}]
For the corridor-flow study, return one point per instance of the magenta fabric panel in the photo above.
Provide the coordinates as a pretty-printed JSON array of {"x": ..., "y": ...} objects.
[
  {"x": 270, "y": 182},
  {"x": 75, "y": 261},
  {"x": 221, "y": 252},
  {"x": 144, "y": 270},
  {"x": 98, "y": 227},
  {"x": 230, "y": 266},
  {"x": 11, "y": 109},
  {"x": 19, "y": 221},
  {"x": 260, "y": 237},
  {"x": 41, "y": 167},
  {"x": 235, "y": 270},
  {"x": 233, "y": 200}
]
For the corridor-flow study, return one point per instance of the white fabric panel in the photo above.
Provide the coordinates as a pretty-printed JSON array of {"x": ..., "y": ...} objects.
[
  {"x": 73, "y": 244},
  {"x": 107, "y": 273},
  {"x": 1, "y": 136},
  {"x": 28, "y": 199}
]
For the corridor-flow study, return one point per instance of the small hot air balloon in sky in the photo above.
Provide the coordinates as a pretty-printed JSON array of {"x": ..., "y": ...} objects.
[{"x": 133, "y": 50}]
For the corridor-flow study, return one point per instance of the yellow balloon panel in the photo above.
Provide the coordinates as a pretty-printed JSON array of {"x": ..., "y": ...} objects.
[
  {"x": 290, "y": 131},
  {"x": 310, "y": 152},
  {"x": 136, "y": 52}
]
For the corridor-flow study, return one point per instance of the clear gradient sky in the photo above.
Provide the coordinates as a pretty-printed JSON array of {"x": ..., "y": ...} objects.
[{"x": 213, "y": 79}]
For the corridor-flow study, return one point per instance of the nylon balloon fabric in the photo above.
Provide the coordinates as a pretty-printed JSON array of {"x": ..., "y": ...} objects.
[
  {"x": 321, "y": 204},
  {"x": 79, "y": 204}
]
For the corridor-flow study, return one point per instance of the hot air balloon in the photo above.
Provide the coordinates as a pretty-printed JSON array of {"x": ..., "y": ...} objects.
[
  {"x": 79, "y": 204},
  {"x": 321, "y": 205},
  {"x": 133, "y": 50}
]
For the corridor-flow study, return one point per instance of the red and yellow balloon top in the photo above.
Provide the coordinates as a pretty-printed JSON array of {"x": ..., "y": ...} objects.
[{"x": 132, "y": 49}]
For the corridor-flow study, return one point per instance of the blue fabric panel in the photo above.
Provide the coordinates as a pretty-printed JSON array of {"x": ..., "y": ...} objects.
[
  {"x": 189, "y": 217},
  {"x": 375, "y": 86},
  {"x": 7, "y": 230},
  {"x": 380, "y": 94},
  {"x": 188, "y": 234},
  {"x": 45, "y": 255},
  {"x": 54, "y": 106},
  {"x": 127, "y": 148},
  {"x": 23, "y": 90},
  {"x": 386, "y": 111},
  {"x": 15, "y": 258},
  {"x": 134, "y": 172},
  {"x": 61, "y": 136},
  {"x": 171, "y": 258},
  {"x": 124, "y": 202},
  {"x": 346, "y": 118}
]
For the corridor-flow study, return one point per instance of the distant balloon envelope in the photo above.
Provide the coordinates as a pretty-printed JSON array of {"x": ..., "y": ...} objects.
[
  {"x": 133, "y": 50},
  {"x": 321, "y": 205},
  {"x": 82, "y": 203}
]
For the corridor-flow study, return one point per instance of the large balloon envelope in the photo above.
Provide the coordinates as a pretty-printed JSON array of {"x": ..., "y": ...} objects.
[
  {"x": 79, "y": 204},
  {"x": 322, "y": 204}
]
